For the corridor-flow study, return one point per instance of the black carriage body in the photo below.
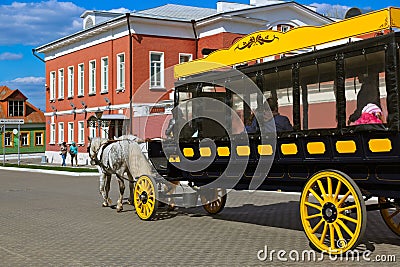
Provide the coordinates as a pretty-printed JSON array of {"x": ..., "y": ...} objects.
[{"x": 369, "y": 154}]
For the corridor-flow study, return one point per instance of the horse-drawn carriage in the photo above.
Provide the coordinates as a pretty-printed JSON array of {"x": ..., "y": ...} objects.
[{"x": 336, "y": 163}]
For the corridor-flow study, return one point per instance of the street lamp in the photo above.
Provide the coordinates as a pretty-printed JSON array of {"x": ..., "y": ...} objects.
[{"x": 98, "y": 114}]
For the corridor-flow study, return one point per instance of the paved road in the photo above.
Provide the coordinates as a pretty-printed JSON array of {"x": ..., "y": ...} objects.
[{"x": 52, "y": 220}]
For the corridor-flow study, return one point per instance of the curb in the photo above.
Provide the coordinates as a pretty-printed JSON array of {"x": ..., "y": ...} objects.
[{"x": 50, "y": 171}]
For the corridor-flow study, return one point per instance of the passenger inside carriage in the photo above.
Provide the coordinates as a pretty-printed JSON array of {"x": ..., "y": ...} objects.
[
  {"x": 281, "y": 122},
  {"x": 371, "y": 114},
  {"x": 368, "y": 94}
]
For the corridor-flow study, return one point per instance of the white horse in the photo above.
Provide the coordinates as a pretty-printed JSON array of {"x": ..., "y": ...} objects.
[{"x": 118, "y": 157}]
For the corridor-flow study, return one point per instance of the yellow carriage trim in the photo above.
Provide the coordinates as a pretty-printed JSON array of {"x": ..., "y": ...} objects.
[
  {"x": 315, "y": 148},
  {"x": 243, "y": 150},
  {"x": 205, "y": 151},
  {"x": 265, "y": 150},
  {"x": 289, "y": 149},
  {"x": 174, "y": 158},
  {"x": 223, "y": 151},
  {"x": 188, "y": 152},
  {"x": 266, "y": 43},
  {"x": 348, "y": 146},
  {"x": 380, "y": 145}
]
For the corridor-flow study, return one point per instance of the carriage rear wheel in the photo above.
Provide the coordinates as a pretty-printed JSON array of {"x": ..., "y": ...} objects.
[
  {"x": 333, "y": 212},
  {"x": 213, "y": 200},
  {"x": 145, "y": 198},
  {"x": 391, "y": 215}
]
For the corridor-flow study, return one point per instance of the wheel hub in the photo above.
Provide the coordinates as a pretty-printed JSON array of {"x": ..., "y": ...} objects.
[
  {"x": 143, "y": 197},
  {"x": 329, "y": 212}
]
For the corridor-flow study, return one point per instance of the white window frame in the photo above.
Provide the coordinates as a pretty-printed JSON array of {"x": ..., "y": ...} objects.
[
  {"x": 70, "y": 132},
  {"x": 81, "y": 79},
  {"x": 70, "y": 81},
  {"x": 285, "y": 28},
  {"x": 159, "y": 83},
  {"x": 52, "y": 86},
  {"x": 104, "y": 74},
  {"x": 40, "y": 135},
  {"x": 24, "y": 141},
  {"x": 92, "y": 132},
  {"x": 92, "y": 77},
  {"x": 81, "y": 132},
  {"x": 52, "y": 140},
  {"x": 61, "y": 131},
  {"x": 61, "y": 83},
  {"x": 120, "y": 72},
  {"x": 104, "y": 132},
  {"x": 185, "y": 55}
]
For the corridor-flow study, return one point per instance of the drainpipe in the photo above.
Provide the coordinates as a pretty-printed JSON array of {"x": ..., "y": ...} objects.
[
  {"x": 34, "y": 53},
  {"x": 196, "y": 37},
  {"x": 130, "y": 75}
]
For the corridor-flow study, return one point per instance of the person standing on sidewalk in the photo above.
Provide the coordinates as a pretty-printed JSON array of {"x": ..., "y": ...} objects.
[
  {"x": 63, "y": 152},
  {"x": 73, "y": 151}
]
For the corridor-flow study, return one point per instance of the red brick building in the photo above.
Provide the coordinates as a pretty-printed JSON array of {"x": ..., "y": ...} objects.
[{"x": 91, "y": 74}]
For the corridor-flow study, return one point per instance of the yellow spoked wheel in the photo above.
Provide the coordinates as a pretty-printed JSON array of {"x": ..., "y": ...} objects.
[
  {"x": 145, "y": 197},
  {"x": 391, "y": 215},
  {"x": 213, "y": 200},
  {"x": 333, "y": 212}
]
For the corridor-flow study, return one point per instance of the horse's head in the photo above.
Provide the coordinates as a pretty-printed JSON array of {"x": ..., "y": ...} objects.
[{"x": 95, "y": 144}]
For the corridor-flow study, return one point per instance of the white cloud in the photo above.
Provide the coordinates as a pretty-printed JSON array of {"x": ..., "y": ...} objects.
[
  {"x": 38, "y": 23},
  {"x": 29, "y": 80},
  {"x": 10, "y": 56},
  {"x": 120, "y": 10},
  {"x": 335, "y": 11}
]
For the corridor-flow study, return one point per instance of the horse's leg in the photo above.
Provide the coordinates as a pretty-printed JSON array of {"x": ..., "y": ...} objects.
[
  {"x": 105, "y": 188},
  {"x": 131, "y": 188},
  {"x": 121, "y": 192}
]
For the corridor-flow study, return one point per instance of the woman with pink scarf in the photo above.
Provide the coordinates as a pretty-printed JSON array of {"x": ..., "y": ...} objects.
[{"x": 371, "y": 114}]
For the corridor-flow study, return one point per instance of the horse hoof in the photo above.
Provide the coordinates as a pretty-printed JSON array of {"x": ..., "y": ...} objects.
[
  {"x": 109, "y": 201},
  {"x": 105, "y": 204}
]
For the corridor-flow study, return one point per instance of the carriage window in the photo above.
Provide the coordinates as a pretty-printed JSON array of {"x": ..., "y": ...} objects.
[
  {"x": 284, "y": 94},
  {"x": 365, "y": 89},
  {"x": 318, "y": 101}
]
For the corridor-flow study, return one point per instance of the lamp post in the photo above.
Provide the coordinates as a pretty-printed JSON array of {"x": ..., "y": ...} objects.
[{"x": 98, "y": 114}]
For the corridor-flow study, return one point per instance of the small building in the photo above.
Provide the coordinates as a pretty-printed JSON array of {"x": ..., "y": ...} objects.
[{"x": 14, "y": 107}]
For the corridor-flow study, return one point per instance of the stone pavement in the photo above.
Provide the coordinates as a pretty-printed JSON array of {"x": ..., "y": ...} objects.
[{"x": 53, "y": 220}]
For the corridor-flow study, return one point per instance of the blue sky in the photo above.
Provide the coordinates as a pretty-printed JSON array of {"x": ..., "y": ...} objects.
[{"x": 28, "y": 24}]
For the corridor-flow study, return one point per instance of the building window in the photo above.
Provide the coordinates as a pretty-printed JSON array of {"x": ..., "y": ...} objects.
[
  {"x": 60, "y": 132},
  {"x": 184, "y": 58},
  {"x": 8, "y": 137},
  {"x": 92, "y": 77},
  {"x": 104, "y": 132},
  {"x": 121, "y": 71},
  {"x": 81, "y": 132},
  {"x": 24, "y": 138},
  {"x": 70, "y": 132},
  {"x": 52, "y": 133},
  {"x": 70, "y": 81},
  {"x": 156, "y": 70},
  {"x": 104, "y": 75},
  {"x": 92, "y": 131},
  {"x": 16, "y": 108},
  {"x": 60, "y": 83},
  {"x": 81, "y": 79},
  {"x": 285, "y": 28},
  {"x": 52, "y": 85},
  {"x": 38, "y": 138}
]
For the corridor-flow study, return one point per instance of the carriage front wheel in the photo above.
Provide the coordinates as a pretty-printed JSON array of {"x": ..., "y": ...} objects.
[
  {"x": 391, "y": 215},
  {"x": 333, "y": 212},
  {"x": 213, "y": 200},
  {"x": 145, "y": 197}
]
